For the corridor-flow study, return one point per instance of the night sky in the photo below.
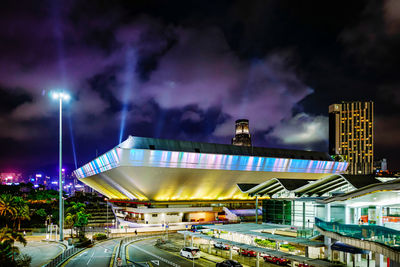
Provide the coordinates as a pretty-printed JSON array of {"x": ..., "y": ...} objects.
[{"x": 188, "y": 69}]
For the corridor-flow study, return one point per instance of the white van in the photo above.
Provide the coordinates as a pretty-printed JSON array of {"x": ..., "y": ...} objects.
[{"x": 190, "y": 252}]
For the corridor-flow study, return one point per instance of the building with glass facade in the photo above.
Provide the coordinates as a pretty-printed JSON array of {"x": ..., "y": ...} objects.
[{"x": 351, "y": 134}]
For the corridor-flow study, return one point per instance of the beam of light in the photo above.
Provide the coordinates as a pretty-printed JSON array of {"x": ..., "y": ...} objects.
[
  {"x": 71, "y": 134},
  {"x": 128, "y": 87}
]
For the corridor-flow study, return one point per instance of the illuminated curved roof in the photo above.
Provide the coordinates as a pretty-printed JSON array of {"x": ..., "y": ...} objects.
[{"x": 134, "y": 171}]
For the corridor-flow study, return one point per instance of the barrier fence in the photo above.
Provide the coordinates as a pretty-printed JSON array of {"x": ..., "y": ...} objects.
[
  {"x": 375, "y": 233},
  {"x": 63, "y": 257}
]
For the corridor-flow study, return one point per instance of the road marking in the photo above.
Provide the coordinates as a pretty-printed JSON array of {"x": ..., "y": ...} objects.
[
  {"x": 156, "y": 256},
  {"x": 112, "y": 256},
  {"x": 157, "y": 262},
  {"x": 91, "y": 257}
]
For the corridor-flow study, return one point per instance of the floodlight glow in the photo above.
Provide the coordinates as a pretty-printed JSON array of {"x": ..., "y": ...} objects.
[
  {"x": 66, "y": 96},
  {"x": 54, "y": 95}
]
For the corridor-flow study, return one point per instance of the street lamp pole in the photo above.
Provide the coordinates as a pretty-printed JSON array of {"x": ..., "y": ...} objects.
[
  {"x": 106, "y": 199},
  {"x": 60, "y": 96},
  {"x": 61, "y": 215}
]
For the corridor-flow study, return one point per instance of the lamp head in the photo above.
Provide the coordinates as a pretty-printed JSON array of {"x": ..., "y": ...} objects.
[{"x": 60, "y": 95}]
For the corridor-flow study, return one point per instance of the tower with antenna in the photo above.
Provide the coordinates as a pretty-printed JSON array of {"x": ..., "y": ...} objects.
[{"x": 242, "y": 133}]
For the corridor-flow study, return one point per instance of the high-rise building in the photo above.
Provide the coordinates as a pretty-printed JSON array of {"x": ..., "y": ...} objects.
[
  {"x": 242, "y": 133},
  {"x": 351, "y": 134}
]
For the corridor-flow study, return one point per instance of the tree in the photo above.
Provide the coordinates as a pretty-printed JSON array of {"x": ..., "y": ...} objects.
[
  {"x": 22, "y": 213},
  {"x": 76, "y": 216},
  {"x": 81, "y": 222},
  {"x": 41, "y": 212},
  {"x": 7, "y": 249},
  {"x": 8, "y": 206}
]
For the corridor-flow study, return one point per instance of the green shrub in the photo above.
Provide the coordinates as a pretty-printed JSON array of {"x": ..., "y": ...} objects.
[
  {"x": 265, "y": 243},
  {"x": 288, "y": 246},
  {"x": 99, "y": 236}
]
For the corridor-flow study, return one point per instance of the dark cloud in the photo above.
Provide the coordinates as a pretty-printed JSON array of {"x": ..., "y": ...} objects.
[{"x": 187, "y": 70}]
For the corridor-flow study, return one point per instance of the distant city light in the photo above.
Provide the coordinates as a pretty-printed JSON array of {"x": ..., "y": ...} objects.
[
  {"x": 36, "y": 185},
  {"x": 63, "y": 170},
  {"x": 38, "y": 175},
  {"x": 32, "y": 179},
  {"x": 54, "y": 182}
]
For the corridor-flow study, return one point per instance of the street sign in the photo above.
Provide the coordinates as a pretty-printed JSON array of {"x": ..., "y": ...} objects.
[{"x": 156, "y": 262}]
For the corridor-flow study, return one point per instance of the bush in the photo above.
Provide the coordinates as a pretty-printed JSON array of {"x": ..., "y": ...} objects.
[
  {"x": 99, "y": 236},
  {"x": 288, "y": 246},
  {"x": 23, "y": 260},
  {"x": 265, "y": 243}
]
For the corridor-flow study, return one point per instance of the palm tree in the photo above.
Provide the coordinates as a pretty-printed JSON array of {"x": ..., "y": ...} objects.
[
  {"x": 7, "y": 240},
  {"x": 8, "y": 206},
  {"x": 22, "y": 211}
]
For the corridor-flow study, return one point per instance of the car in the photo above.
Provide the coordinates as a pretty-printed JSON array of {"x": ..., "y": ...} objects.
[
  {"x": 221, "y": 246},
  {"x": 228, "y": 263},
  {"x": 249, "y": 253},
  {"x": 276, "y": 260},
  {"x": 304, "y": 265},
  {"x": 190, "y": 252}
]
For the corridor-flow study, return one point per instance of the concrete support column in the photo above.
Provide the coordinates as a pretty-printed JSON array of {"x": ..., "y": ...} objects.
[
  {"x": 358, "y": 259},
  {"x": 328, "y": 212},
  {"x": 347, "y": 219},
  {"x": 230, "y": 252},
  {"x": 379, "y": 260},
  {"x": 358, "y": 212},
  {"x": 341, "y": 256},
  {"x": 328, "y": 251},
  {"x": 209, "y": 246},
  {"x": 184, "y": 240},
  {"x": 379, "y": 216},
  {"x": 191, "y": 241},
  {"x": 258, "y": 259},
  {"x": 307, "y": 253},
  {"x": 348, "y": 258},
  {"x": 277, "y": 245},
  {"x": 304, "y": 214}
]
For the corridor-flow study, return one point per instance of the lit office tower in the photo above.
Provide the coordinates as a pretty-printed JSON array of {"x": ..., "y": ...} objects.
[
  {"x": 351, "y": 134},
  {"x": 242, "y": 133}
]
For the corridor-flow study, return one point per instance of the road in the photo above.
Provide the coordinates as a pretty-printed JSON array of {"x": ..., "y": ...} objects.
[
  {"x": 98, "y": 255},
  {"x": 144, "y": 251},
  {"x": 40, "y": 251}
]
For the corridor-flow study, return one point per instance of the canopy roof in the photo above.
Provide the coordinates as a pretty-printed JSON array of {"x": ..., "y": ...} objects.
[{"x": 310, "y": 188}]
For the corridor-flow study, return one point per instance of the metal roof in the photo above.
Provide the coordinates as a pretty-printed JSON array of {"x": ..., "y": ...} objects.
[
  {"x": 212, "y": 148},
  {"x": 387, "y": 186},
  {"x": 310, "y": 261},
  {"x": 272, "y": 186},
  {"x": 334, "y": 182},
  {"x": 253, "y": 229}
]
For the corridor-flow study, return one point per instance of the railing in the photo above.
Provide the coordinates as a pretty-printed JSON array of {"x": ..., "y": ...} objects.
[
  {"x": 62, "y": 257},
  {"x": 375, "y": 233}
]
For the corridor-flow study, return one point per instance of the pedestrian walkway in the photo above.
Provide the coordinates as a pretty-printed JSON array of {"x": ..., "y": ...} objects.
[{"x": 41, "y": 252}]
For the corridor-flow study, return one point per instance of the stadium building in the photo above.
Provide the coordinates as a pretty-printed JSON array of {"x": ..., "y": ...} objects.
[{"x": 155, "y": 180}]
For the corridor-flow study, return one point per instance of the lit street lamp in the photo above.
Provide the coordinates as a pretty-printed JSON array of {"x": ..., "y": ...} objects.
[{"x": 61, "y": 96}]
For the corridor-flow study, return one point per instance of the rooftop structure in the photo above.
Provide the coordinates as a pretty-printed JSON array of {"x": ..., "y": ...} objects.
[
  {"x": 165, "y": 170},
  {"x": 242, "y": 133}
]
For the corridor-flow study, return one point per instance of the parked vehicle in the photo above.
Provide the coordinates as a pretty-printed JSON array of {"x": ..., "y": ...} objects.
[
  {"x": 221, "y": 246},
  {"x": 249, "y": 253},
  {"x": 190, "y": 252},
  {"x": 304, "y": 265},
  {"x": 276, "y": 260},
  {"x": 229, "y": 263}
]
